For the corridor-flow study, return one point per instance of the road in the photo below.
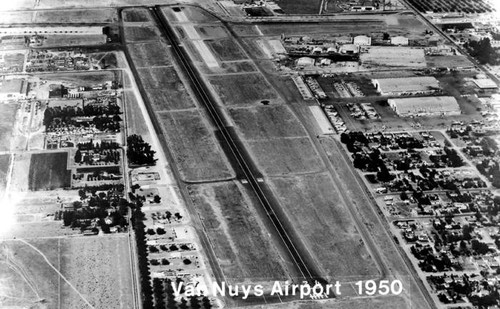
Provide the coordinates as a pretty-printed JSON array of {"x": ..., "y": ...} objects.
[{"x": 205, "y": 98}]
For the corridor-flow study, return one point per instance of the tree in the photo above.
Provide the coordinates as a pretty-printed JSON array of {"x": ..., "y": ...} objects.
[
  {"x": 78, "y": 156},
  {"x": 403, "y": 196},
  {"x": 77, "y": 204},
  {"x": 157, "y": 199}
]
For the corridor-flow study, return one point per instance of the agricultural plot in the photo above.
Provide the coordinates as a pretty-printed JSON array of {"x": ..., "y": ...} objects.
[
  {"x": 194, "y": 148},
  {"x": 226, "y": 49},
  {"x": 48, "y": 171},
  {"x": 286, "y": 156},
  {"x": 84, "y": 79},
  {"x": 239, "y": 240},
  {"x": 7, "y": 120},
  {"x": 188, "y": 13},
  {"x": 266, "y": 122},
  {"x": 313, "y": 206},
  {"x": 165, "y": 89},
  {"x": 244, "y": 89},
  {"x": 86, "y": 16},
  {"x": 300, "y": 6},
  {"x": 135, "y": 120},
  {"x": 211, "y": 31},
  {"x": 149, "y": 54},
  {"x": 4, "y": 169},
  {"x": 229, "y": 67},
  {"x": 26, "y": 277},
  {"x": 99, "y": 269}
]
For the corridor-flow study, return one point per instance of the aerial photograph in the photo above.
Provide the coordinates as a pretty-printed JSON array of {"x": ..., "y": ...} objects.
[{"x": 284, "y": 154}]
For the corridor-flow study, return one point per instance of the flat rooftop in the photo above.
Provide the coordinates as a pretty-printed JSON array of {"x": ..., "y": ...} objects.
[{"x": 408, "y": 84}]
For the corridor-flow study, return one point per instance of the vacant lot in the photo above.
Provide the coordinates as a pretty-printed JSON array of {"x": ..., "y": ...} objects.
[
  {"x": 286, "y": 155},
  {"x": 244, "y": 89},
  {"x": 86, "y": 16},
  {"x": 240, "y": 242},
  {"x": 194, "y": 147},
  {"x": 138, "y": 34},
  {"x": 149, "y": 54},
  {"x": 211, "y": 31},
  {"x": 85, "y": 79},
  {"x": 99, "y": 268},
  {"x": 25, "y": 275},
  {"x": 313, "y": 206},
  {"x": 266, "y": 122},
  {"x": 4, "y": 168},
  {"x": 188, "y": 13},
  {"x": 229, "y": 67},
  {"x": 226, "y": 49},
  {"x": 7, "y": 119},
  {"x": 135, "y": 120},
  {"x": 48, "y": 171},
  {"x": 136, "y": 15}
]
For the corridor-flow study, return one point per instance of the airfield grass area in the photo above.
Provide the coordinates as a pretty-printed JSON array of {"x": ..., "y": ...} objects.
[
  {"x": 149, "y": 54},
  {"x": 99, "y": 268},
  {"x": 136, "y": 124},
  {"x": 229, "y": 67},
  {"x": 226, "y": 49},
  {"x": 266, "y": 122},
  {"x": 244, "y": 89},
  {"x": 188, "y": 13},
  {"x": 48, "y": 171},
  {"x": 300, "y": 6},
  {"x": 313, "y": 206},
  {"x": 286, "y": 156},
  {"x": 240, "y": 242},
  {"x": 7, "y": 119},
  {"x": 139, "y": 34},
  {"x": 82, "y": 16},
  {"x": 136, "y": 15},
  {"x": 25, "y": 277},
  {"x": 194, "y": 147}
]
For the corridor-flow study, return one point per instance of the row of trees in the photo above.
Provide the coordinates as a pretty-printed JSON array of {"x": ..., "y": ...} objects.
[
  {"x": 68, "y": 112},
  {"x": 139, "y": 152}
]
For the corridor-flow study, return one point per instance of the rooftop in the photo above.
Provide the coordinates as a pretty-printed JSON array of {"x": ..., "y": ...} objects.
[{"x": 408, "y": 84}]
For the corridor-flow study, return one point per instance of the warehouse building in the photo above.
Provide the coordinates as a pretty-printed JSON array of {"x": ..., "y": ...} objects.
[
  {"x": 400, "y": 40},
  {"x": 425, "y": 106},
  {"x": 407, "y": 86},
  {"x": 362, "y": 40}
]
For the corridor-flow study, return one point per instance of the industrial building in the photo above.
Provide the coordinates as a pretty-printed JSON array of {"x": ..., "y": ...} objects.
[
  {"x": 362, "y": 40},
  {"x": 400, "y": 40},
  {"x": 407, "y": 86},
  {"x": 425, "y": 106},
  {"x": 13, "y": 89}
]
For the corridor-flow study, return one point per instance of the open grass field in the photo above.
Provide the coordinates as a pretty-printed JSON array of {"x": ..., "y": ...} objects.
[
  {"x": 25, "y": 276},
  {"x": 211, "y": 31},
  {"x": 226, "y": 49},
  {"x": 4, "y": 168},
  {"x": 313, "y": 206},
  {"x": 73, "y": 40},
  {"x": 135, "y": 120},
  {"x": 300, "y": 6},
  {"x": 136, "y": 15},
  {"x": 20, "y": 171},
  {"x": 455, "y": 61},
  {"x": 240, "y": 242},
  {"x": 140, "y": 34},
  {"x": 149, "y": 54},
  {"x": 188, "y": 13},
  {"x": 269, "y": 121},
  {"x": 194, "y": 147},
  {"x": 229, "y": 67},
  {"x": 286, "y": 156},
  {"x": 244, "y": 89},
  {"x": 80, "y": 78},
  {"x": 48, "y": 171},
  {"x": 7, "y": 119},
  {"x": 99, "y": 269},
  {"x": 87, "y": 16}
]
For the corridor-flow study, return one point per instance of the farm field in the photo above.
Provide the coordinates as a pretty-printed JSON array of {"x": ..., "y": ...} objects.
[
  {"x": 286, "y": 156},
  {"x": 313, "y": 206},
  {"x": 240, "y": 242},
  {"x": 194, "y": 147},
  {"x": 188, "y": 13},
  {"x": 244, "y": 89},
  {"x": 229, "y": 67},
  {"x": 226, "y": 49},
  {"x": 266, "y": 122},
  {"x": 48, "y": 171},
  {"x": 99, "y": 268},
  {"x": 7, "y": 119},
  {"x": 212, "y": 31},
  {"x": 135, "y": 120},
  {"x": 477, "y": 6},
  {"x": 85, "y": 79},
  {"x": 149, "y": 54},
  {"x": 136, "y": 15},
  {"x": 4, "y": 168},
  {"x": 86, "y": 16},
  {"x": 300, "y": 6}
]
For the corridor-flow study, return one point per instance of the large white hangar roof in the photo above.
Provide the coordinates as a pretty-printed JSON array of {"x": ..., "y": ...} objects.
[
  {"x": 417, "y": 84},
  {"x": 444, "y": 105}
]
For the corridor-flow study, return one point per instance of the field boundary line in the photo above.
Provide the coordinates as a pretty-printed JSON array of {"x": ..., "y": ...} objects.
[{"x": 57, "y": 271}]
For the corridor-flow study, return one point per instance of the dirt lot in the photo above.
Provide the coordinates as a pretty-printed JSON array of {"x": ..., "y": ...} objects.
[
  {"x": 4, "y": 168},
  {"x": 286, "y": 156},
  {"x": 194, "y": 147},
  {"x": 313, "y": 206},
  {"x": 48, "y": 171},
  {"x": 239, "y": 240},
  {"x": 266, "y": 122},
  {"x": 211, "y": 31},
  {"x": 20, "y": 171},
  {"x": 88, "y": 16},
  {"x": 300, "y": 6},
  {"x": 81, "y": 78},
  {"x": 229, "y": 67},
  {"x": 149, "y": 54},
  {"x": 99, "y": 268},
  {"x": 244, "y": 89},
  {"x": 188, "y": 13},
  {"x": 226, "y": 49}
]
